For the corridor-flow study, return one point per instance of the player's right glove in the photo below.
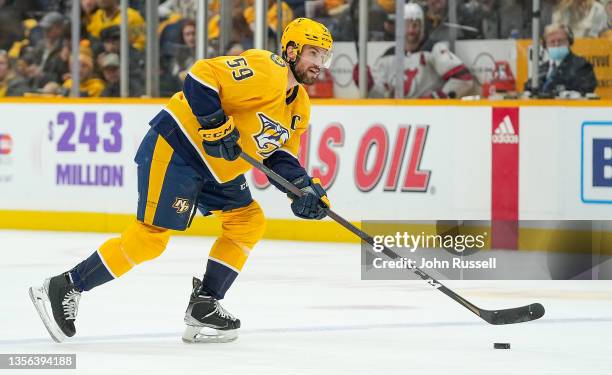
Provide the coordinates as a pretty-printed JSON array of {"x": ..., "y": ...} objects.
[
  {"x": 314, "y": 202},
  {"x": 222, "y": 141}
]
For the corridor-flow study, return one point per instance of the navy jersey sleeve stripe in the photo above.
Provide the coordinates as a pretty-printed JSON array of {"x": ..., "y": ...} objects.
[
  {"x": 202, "y": 99},
  {"x": 285, "y": 165}
]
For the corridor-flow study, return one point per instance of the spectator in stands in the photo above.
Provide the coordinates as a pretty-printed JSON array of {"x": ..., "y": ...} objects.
[
  {"x": 28, "y": 70},
  {"x": 586, "y": 18},
  {"x": 110, "y": 72},
  {"x": 435, "y": 73},
  {"x": 53, "y": 65},
  {"x": 241, "y": 31},
  {"x": 286, "y": 12},
  {"x": 184, "y": 56},
  {"x": 88, "y": 8},
  {"x": 110, "y": 41},
  {"x": 564, "y": 71},
  {"x": 10, "y": 83},
  {"x": 335, "y": 15},
  {"x": 382, "y": 20},
  {"x": 608, "y": 6},
  {"x": 608, "y": 32},
  {"x": 109, "y": 15},
  {"x": 89, "y": 85},
  {"x": 28, "y": 25},
  {"x": 183, "y": 8}
]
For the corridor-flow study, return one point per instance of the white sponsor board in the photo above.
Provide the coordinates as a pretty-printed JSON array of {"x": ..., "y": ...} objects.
[
  {"x": 376, "y": 161},
  {"x": 390, "y": 162},
  {"x": 68, "y": 157},
  {"x": 563, "y": 176}
]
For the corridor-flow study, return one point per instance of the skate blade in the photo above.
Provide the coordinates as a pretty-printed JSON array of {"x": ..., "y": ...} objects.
[
  {"x": 195, "y": 335},
  {"x": 39, "y": 299}
]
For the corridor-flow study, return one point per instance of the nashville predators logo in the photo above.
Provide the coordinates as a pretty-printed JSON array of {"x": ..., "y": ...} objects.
[
  {"x": 181, "y": 205},
  {"x": 271, "y": 136}
]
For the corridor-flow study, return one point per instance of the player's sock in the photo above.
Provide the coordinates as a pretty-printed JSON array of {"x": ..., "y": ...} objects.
[
  {"x": 217, "y": 279},
  {"x": 90, "y": 273}
]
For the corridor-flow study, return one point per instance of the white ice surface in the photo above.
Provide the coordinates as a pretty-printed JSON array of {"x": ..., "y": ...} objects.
[{"x": 304, "y": 310}]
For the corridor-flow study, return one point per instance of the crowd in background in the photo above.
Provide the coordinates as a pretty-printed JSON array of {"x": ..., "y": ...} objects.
[{"x": 35, "y": 43}]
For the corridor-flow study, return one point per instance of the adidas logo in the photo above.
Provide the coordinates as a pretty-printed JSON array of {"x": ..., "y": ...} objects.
[{"x": 505, "y": 132}]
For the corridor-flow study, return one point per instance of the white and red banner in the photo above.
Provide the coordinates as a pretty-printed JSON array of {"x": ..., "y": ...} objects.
[{"x": 378, "y": 162}]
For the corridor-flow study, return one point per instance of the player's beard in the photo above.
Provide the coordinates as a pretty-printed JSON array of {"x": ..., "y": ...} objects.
[
  {"x": 301, "y": 75},
  {"x": 413, "y": 41}
]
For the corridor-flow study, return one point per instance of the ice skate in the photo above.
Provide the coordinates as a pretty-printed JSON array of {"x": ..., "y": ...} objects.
[
  {"x": 207, "y": 321},
  {"x": 57, "y": 302}
]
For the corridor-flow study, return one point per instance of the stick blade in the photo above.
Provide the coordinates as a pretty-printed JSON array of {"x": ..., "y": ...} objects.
[{"x": 515, "y": 315}]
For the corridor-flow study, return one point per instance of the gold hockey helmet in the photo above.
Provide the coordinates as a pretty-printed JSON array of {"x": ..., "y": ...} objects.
[{"x": 302, "y": 31}]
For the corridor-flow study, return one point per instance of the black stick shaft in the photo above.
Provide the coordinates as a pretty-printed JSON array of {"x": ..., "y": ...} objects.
[{"x": 361, "y": 234}]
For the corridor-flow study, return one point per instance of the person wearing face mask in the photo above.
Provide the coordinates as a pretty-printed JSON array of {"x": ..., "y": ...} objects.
[{"x": 564, "y": 71}]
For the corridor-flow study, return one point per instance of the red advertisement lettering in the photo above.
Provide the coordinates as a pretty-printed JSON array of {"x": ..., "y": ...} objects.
[
  {"x": 397, "y": 158},
  {"x": 416, "y": 179},
  {"x": 333, "y": 135},
  {"x": 376, "y": 139}
]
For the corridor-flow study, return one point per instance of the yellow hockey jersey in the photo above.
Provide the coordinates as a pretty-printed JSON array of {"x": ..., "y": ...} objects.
[{"x": 252, "y": 88}]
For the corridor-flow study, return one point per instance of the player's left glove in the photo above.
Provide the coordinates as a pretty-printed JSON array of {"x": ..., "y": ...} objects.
[
  {"x": 313, "y": 204},
  {"x": 222, "y": 141}
]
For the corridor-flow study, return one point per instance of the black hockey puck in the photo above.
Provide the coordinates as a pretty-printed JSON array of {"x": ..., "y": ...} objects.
[{"x": 501, "y": 345}]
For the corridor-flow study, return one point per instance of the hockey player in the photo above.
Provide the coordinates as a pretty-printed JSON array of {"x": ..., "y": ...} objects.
[
  {"x": 189, "y": 160},
  {"x": 435, "y": 73}
]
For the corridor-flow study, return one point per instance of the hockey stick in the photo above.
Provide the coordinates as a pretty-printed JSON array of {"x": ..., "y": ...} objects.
[{"x": 496, "y": 317}]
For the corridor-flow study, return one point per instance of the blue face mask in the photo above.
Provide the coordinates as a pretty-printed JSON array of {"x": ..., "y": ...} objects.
[{"x": 558, "y": 53}]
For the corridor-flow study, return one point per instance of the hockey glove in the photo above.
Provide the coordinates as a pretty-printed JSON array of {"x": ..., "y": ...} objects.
[
  {"x": 311, "y": 205},
  {"x": 222, "y": 141}
]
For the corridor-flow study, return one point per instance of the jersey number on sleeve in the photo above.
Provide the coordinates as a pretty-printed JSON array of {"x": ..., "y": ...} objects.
[{"x": 240, "y": 69}]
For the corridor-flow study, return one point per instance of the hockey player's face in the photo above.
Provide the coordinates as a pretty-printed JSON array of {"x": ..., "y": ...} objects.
[
  {"x": 413, "y": 31},
  {"x": 309, "y": 65}
]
